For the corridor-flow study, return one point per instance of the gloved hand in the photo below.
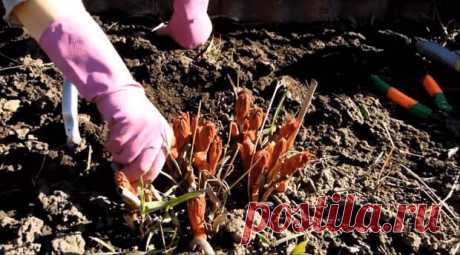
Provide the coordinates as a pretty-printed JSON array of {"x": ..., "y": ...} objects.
[
  {"x": 190, "y": 25},
  {"x": 139, "y": 135}
]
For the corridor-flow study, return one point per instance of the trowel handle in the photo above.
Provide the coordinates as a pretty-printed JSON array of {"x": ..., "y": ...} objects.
[
  {"x": 70, "y": 113},
  {"x": 438, "y": 53}
]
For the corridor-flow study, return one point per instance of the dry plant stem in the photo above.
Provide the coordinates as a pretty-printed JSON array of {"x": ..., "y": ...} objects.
[
  {"x": 194, "y": 134},
  {"x": 454, "y": 187},
  {"x": 168, "y": 177},
  {"x": 288, "y": 238},
  {"x": 211, "y": 194},
  {"x": 47, "y": 65},
  {"x": 437, "y": 199},
  {"x": 104, "y": 244},
  {"x": 455, "y": 250},
  {"x": 163, "y": 241},
  {"x": 37, "y": 175},
  {"x": 268, "y": 192},
  {"x": 130, "y": 199},
  {"x": 429, "y": 194},
  {"x": 224, "y": 155},
  {"x": 158, "y": 27},
  {"x": 149, "y": 240},
  {"x": 388, "y": 158},
  {"x": 204, "y": 244},
  {"x": 260, "y": 132},
  {"x": 112, "y": 25},
  {"x": 230, "y": 164},
  {"x": 306, "y": 104},
  {"x": 234, "y": 88},
  {"x": 88, "y": 160},
  {"x": 378, "y": 158},
  {"x": 9, "y": 58}
]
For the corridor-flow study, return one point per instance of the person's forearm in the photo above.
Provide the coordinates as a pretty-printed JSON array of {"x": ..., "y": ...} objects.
[
  {"x": 139, "y": 135},
  {"x": 37, "y": 15}
]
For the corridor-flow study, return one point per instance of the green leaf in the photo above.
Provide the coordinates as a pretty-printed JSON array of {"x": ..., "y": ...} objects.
[
  {"x": 160, "y": 205},
  {"x": 263, "y": 239},
  {"x": 272, "y": 127},
  {"x": 142, "y": 197},
  {"x": 154, "y": 206},
  {"x": 300, "y": 248},
  {"x": 364, "y": 112}
]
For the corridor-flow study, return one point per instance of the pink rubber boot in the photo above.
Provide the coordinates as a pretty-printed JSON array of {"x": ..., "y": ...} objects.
[
  {"x": 139, "y": 134},
  {"x": 190, "y": 25}
]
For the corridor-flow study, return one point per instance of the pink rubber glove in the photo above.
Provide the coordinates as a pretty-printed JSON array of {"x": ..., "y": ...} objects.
[
  {"x": 190, "y": 25},
  {"x": 139, "y": 134}
]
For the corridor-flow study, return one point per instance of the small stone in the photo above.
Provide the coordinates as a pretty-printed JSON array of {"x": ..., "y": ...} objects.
[
  {"x": 451, "y": 152},
  {"x": 22, "y": 133},
  {"x": 12, "y": 105},
  {"x": 185, "y": 61},
  {"x": 317, "y": 44},
  {"x": 31, "y": 137}
]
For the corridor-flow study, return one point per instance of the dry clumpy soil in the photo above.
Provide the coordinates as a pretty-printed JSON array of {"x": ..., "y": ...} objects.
[{"x": 53, "y": 200}]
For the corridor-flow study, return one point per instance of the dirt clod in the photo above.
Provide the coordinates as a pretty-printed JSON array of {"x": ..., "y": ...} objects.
[
  {"x": 11, "y": 105},
  {"x": 62, "y": 209},
  {"x": 13, "y": 249},
  {"x": 30, "y": 229},
  {"x": 72, "y": 243},
  {"x": 234, "y": 225}
]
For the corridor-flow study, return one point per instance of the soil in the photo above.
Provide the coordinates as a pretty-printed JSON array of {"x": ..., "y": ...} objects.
[{"x": 55, "y": 200}]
